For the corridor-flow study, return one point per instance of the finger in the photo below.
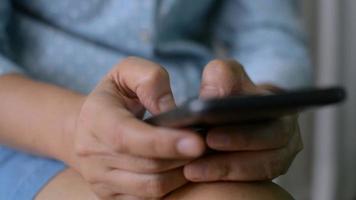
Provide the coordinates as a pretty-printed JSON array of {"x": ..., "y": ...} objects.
[
  {"x": 119, "y": 131},
  {"x": 225, "y": 77},
  {"x": 237, "y": 166},
  {"x": 252, "y": 137},
  {"x": 134, "y": 137},
  {"x": 97, "y": 173},
  {"x": 243, "y": 166},
  {"x": 145, "y": 185},
  {"x": 145, "y": 80},
  {"x": 139, "y": 164},
  {"x": 128, "y": 135},
  {"x": 140, "y": 139}
]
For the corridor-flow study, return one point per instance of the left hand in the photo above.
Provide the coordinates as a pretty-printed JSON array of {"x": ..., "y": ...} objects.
[{"x": 249, "y": 152}]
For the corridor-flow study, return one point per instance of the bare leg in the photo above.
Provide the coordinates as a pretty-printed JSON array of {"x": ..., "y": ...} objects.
[
  {"x": 66, "y": 185},
  {"x": 231, "y": 191},
  {"x": 69, "y": 185}
]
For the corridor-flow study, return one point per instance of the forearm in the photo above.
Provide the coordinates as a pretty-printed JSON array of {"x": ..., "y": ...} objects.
[{"x": 37, "y": 117}]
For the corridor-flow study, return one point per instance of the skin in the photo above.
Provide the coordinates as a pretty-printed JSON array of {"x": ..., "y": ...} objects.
[
  {"x": 118, "y": 156},
  {"x": 58, "y": 189}
]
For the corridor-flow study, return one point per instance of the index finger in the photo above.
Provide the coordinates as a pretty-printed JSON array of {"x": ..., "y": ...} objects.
[{"x": 142, "y": 139}]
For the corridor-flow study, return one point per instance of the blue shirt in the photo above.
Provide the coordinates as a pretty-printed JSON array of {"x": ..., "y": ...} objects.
[{"x": 74, "y": 43}]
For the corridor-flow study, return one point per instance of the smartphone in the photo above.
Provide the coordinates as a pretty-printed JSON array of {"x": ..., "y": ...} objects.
[{"x": 200, "y": 113}]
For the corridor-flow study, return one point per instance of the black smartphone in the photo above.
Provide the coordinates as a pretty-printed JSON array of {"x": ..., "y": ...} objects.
[{"x": 199, "y": 113}]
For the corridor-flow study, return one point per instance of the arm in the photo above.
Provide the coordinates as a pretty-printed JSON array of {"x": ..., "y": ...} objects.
[
  {"x": 37, "y": 117},
  {"x": 28, "y": 107},
  {"x": 267, "y": 38}
]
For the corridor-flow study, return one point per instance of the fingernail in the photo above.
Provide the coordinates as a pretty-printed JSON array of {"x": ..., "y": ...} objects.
[
  {"x": 188, "y": 147},
  {"x": 209, "y": 92},
  {"x": 166, "y": 103}
]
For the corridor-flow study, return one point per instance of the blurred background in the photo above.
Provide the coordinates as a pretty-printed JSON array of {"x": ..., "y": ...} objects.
[{"x": 326, "y": 169}]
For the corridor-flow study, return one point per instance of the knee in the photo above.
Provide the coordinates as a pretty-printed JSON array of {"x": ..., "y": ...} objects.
[
  {"x": 231, "y": 191},
  {"x": 66, "y": 185}
]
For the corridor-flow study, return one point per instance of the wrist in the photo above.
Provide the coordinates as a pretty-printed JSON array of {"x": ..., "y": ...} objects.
[{"x": 66, "y": 152}]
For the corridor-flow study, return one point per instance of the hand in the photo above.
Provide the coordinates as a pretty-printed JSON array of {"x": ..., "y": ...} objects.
[
  {"x": 249, "y": 152},
  {"x": 118, "y": 154}
]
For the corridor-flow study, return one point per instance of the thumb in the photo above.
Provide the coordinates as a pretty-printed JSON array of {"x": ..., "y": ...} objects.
[
  {"x": 137, "y": 78},
  {"x": 225, "y": 78}
]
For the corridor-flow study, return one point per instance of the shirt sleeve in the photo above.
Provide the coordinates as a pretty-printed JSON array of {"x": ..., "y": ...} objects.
[
  {"x": 6, "y": 65},
  {"x": 267, "y": 37}
]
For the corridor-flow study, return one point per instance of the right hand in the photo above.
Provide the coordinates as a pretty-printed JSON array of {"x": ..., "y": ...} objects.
[{"x": 116, "y": 152}]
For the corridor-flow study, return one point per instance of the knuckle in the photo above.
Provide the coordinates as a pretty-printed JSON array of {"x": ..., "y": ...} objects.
[
  {"x": 226, "y": 65},
  {"x": 153, "y": 166},
  {"x": 122, "y": 65},
  {"x": 272, "y": 169},
  {"x": 155, "y": 187},
  {"x": 225, "y": 173},
  {"x": 219, "y": 66},
  {"x": 95, "y": 181},
  {"x": 161, "y": 146},
  {"x": 152, "y": 146},
  {"x": 120, "y": 143},
  {"x": 127, "y": 61},
  {"x": 102, "y": 191},
  {"x": 82, "y": 150},
  {"x": 157, "y": 74},
  {"x": 270, "y": 174}
]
